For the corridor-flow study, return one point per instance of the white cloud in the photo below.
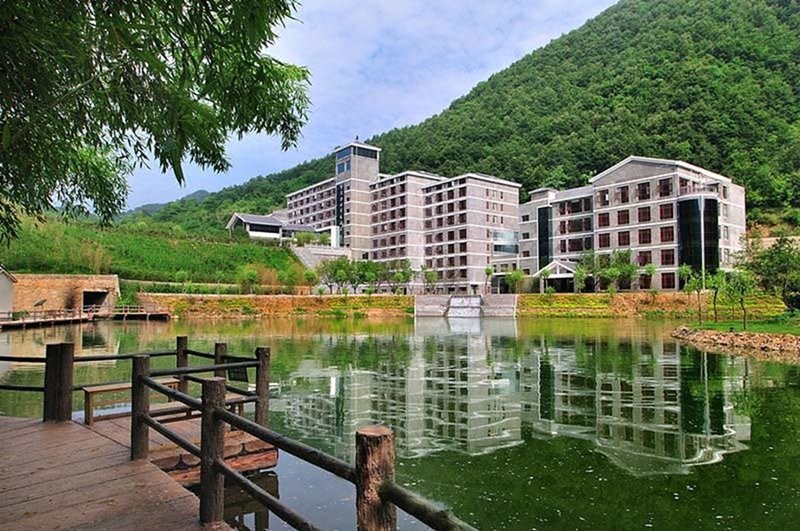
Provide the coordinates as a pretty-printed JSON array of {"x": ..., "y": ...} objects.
[{"x": 378, "y": 64}]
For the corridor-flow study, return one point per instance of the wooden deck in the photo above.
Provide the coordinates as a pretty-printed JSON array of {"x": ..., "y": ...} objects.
[
  {"x": 242, "y": 451},
  {"x": 67, "y": 476}
]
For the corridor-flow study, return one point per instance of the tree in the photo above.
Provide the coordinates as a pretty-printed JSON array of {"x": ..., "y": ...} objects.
[
  {"x": 543, "y": 276},
  {"x": 777, "y": 268},
  {"x": 429, "y": 278},
  {"x": 716, "y": 283},
  {"x": 684, "y": 272},
  {"x": 694, "y": 284},
  {"x": 400, "y": 274},
  {"x": 90, "y": 90},
  {"x": 514, "y": 279},
  {"x": 740, "y": 285},
  {"x": 650, "y": 271},
  {"x": 580, "y": 277},
  {"x": 247, "y": 278},
  {"x": 326, "y": 272},
  {"x": 488, "y": 271},
  {"x": 310, "y": 278}
]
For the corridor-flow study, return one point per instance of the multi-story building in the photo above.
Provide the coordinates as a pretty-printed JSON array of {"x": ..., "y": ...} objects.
[
  {"x": 397, "y": 217},
  {"x": 343, "y": 201},
  {"x": 471, "y": 223},
  {"x": 456, "y": 226},
  {"x": 665, "y": 212}
]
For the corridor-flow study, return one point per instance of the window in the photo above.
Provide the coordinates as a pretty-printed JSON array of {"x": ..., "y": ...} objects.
[
  {"x": 526, "y": 217},
  {"x": 623, "y": 217},
  {"x": 667, "y": 280},
  {"x": 666, "y": 211},
  {"x": 667, "y": 234},
  {"x": 604, "y": 241},
  {"x": 526, "y": 235},
  {"x": 665, "y": 188},
  {"x": 668, "y": 257},
  {"x": 643, "y": 191},
  {"x": 602, "y": 198},
  {"x": 645, "y": 237},
  {"x": 644, "y": 258},
  {"x": 644, "y": 214},
  {"x": 623, "y": 195},
  {"x": 602, "y": 220},
  {"x": 563, "y": 246},
  {"x": 725, "y": 233},
  {"x": 644, "y": 281},
  {"x": 624, "y": 239},
  {"x": 724, "y": 192}
]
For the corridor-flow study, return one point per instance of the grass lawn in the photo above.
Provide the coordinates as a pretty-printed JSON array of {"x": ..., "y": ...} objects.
[{"x": 780, "y": 325}]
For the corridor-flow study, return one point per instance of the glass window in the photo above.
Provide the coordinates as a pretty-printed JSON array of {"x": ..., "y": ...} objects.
[
  {"x": 665, "y": 187},
  {"x": 644, "y": 214},
  {"x": 667, "y": 257},
  {"x": 666, "y": 211},
  {"x": 645, "y": 237},
  {"x": 624, "y": 239},
  {"x": 604, "y": 241},
  {"x": 645, "y": 257},
  {"x": 667, "y": 280},
  {"x": 667, "y": 234},
  {"x": 602, "y": 220},
  {"x": 623, "y": 195},
  {"x": 623, "y": 217},
  {"x": 643, "y": 191}
]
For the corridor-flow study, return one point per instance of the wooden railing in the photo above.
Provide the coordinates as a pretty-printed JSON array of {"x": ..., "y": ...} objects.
[
  {"x": 377, "y": 493},
  {"x": 41, "y": 315}
]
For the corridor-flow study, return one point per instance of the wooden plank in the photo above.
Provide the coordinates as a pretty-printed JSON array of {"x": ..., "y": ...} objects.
[{"x": 77, "y": 478}]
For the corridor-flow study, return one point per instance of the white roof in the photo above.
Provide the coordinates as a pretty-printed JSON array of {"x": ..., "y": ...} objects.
[
  {"x": 3, "y": 271},
  {"x": 669, "y": 162},
  {"x": 356, "y": 143},
  {"x": 255, "y": 219}
]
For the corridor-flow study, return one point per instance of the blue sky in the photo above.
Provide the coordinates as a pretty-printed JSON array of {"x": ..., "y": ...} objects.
[{"x": 379, "y": 64}]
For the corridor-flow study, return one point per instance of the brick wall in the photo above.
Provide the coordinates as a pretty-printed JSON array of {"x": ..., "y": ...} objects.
[{"x": 62, "y": 291}]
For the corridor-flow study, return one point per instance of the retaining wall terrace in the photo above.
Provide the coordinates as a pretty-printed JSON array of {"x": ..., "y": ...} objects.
[{"x": 62, "y": 291}]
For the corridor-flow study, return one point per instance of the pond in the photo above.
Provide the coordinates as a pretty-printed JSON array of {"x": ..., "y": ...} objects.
[{"x": 526, "y": 424}]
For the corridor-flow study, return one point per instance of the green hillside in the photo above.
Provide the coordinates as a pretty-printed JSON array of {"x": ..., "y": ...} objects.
[
  {"x": 137, "y": 251},
  {"x": 712, "y": 82}
]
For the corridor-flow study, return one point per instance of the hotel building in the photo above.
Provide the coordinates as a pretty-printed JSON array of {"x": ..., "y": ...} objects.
[
  {"x": 666, "y": 212},
  {"x": 456, "y": 226}
]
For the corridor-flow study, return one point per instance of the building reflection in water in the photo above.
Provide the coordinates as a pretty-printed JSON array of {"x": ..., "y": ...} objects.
[{"x": 651, "y": 405}]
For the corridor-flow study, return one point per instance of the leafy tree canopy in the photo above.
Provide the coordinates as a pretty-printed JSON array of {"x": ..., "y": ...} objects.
[{"x": 90, "y": 89}]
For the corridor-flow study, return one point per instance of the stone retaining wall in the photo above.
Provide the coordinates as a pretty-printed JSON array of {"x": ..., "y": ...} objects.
[{"x": 62, "y": 291}]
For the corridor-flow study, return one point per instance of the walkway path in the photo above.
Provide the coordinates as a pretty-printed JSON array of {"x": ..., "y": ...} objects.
[{"x": 66, "y": 476}]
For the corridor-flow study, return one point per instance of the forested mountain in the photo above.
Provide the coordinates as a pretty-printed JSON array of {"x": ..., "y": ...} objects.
[
  {"x": 712, "y": 82},
  {"x": 152, "y": 208}
]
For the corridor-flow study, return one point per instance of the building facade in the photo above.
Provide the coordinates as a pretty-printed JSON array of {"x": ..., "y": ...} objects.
[
  {"x": 457, "y": 226},
  {"x": 666, "y": 212}
]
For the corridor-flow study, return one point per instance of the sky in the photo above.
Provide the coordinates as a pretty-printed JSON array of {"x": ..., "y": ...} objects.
[{"x": 376, "y": 65}]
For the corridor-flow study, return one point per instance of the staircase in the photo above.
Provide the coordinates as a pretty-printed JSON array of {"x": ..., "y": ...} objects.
[
  {"x": 306, "y": 257},
  {"x": 465, "y": 306}
]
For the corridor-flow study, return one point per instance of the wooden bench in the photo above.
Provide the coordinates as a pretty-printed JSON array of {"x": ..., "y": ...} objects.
[{"x": 89, "y": 391}]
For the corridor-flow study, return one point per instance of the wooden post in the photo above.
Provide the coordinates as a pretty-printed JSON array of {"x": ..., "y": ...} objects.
[
  {"x": 58, "y": 382},
  {"x": 140, "y": 406},
  {"x": 262, "y": 387},
  {"x": 182, "y": 360},
  {"x": 220, "y": 351},
  {"x": 374, "y": 465},
  {"x": 212, "y": 449}
]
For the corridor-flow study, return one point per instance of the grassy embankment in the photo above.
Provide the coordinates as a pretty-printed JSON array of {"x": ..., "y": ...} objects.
[
  {"x": 664, "y": 305},
  {"x": 784, "y": 324},
  {"x": 140, "y": 252},
  {"x": 238, "y": 306}
]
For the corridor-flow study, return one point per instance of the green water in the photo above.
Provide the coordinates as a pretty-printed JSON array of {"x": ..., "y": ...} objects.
[{"x": 527, "y": 424}]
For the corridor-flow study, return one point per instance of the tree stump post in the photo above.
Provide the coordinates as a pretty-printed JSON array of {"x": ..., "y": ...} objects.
[
  {"x": 262, "y": 386},
  {"x": 374, "y": 465},
  {"x": 220, "y": 351},
  {"x": 140, "y": 406},
  {"x": 58, "y": 382},
  {"x": 182, "y": 360},
  {"x": 212, "y": 449}
]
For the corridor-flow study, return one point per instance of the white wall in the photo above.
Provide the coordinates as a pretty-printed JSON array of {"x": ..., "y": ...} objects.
[{"x": 6, "y": 294}]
